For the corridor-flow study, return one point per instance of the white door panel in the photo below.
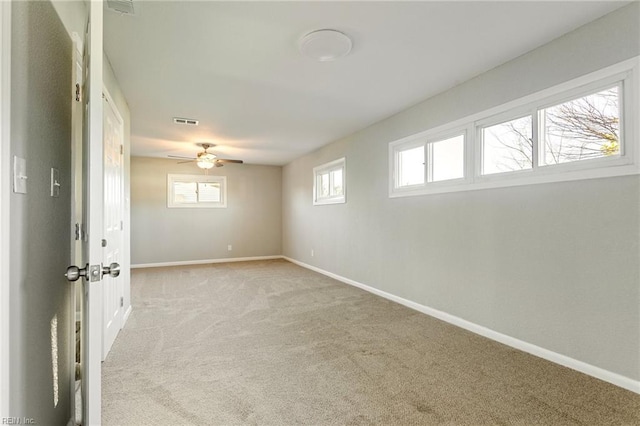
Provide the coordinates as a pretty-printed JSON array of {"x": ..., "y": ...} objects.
[{"x": 113, "y": 216}]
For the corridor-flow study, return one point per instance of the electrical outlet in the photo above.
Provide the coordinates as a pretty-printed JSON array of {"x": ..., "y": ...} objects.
[
  {"x": 229, "y": 247},
  {"x": 312, "y": 253}
]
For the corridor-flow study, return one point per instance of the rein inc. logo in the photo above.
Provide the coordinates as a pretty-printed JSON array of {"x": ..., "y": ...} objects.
[{"x": 17, "y": 421}]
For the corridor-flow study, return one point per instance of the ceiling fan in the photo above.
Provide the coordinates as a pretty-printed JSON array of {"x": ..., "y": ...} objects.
[{"x": 206, "y": 160}]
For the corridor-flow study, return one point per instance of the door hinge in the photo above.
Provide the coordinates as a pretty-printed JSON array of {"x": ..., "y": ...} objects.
[
  {"x": 121, "y": 149},
  {"x": 122, "y": 302},
  {"x": 122, "y": 225},
  {"x": 78, "y": 94}
]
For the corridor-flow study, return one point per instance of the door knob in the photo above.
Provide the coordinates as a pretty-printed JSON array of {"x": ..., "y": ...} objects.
[
  {"x": 73, "y": 272},
  {"x": 113, "y": 270}
]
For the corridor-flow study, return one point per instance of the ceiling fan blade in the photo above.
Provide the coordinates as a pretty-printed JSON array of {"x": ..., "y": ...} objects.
[
  {"x": 179, "y": 156},
  {"x": 225, "y": 160},
  {"x": 188, "y": 161}
]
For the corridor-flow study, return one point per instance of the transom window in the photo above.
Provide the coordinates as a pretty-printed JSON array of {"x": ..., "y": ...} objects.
[
  {"x": 581, "y": 129},
  {"x": 329, "y": 183},
  {"x": 196, "y": 191},
  {"x": 507, "y": 146},
  {"x": 427, "y": 160}
]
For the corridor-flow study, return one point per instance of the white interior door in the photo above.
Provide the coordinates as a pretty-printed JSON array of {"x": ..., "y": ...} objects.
[
  {"x": 92, "y": 250},
  {"x": 112, "y": 295}
]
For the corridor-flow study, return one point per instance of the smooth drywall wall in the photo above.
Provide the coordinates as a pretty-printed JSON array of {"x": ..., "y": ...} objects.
[
  {"x": 251, "y": 223},
  {"x": 555, "y": 265},
  {"x": 41, "y": 309},
  {"x": 74, "y": 15}
]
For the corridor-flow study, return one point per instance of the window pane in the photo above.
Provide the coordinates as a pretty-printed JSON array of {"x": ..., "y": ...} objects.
[
  {"x": 582, "y": 129},
  {"x": 336, "y": 182},
  {"x": 184, "y": 193},
  {"x": 411, "y": 166},
  {"x": 209, "y": 192},
  {"x": 507, "y": 146},
  {"x": 447, "y": 159},
  {"x": 324, "y": 185}
]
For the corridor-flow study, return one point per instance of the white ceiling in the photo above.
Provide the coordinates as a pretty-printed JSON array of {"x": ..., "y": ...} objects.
[{"x": 235, "y": 66}]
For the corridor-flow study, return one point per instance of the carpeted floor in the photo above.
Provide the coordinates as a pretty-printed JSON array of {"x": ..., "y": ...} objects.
[{"x": 271, "y": 343}]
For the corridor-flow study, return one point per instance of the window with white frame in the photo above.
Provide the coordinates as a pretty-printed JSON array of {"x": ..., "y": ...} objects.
[
  {"x": 581, "y": 129},
  {"x": 425, "y": 160},
  {"x": 329, "y": 183},
  {"x": 507, "y": 146},
  {"x": 445, "y": 159},
  {"x": 196, "y": 191}
]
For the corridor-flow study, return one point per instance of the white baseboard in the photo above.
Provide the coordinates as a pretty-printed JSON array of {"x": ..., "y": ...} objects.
[
  {"x": 583, "y": 367},
  {"x": 202, "y": 262}
]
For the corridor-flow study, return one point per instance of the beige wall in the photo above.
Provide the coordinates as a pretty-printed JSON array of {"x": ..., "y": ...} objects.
[
  {"x": 251, "y": 223},
  {"x": 555, "y": 265}
]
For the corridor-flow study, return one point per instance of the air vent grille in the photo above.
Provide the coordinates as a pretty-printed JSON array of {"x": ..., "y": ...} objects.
[
  {"x": 121, "y": 6},
  {"x": 186, "y": 121}
]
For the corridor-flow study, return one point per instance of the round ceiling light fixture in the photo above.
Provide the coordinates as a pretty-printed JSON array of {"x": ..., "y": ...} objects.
[{"x": 325, "y": 45}]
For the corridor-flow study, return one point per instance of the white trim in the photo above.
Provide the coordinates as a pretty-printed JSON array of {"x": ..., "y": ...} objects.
[
  {"x": 627, "y": 164},
  {"x": 5, "y": 194},
  {"x": 203, "y": 262},
  {"x": 574, "y": 364}
]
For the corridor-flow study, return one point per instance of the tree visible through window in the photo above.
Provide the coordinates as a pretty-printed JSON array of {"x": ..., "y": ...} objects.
[
  {"x": 507, "y": 146},
  {"x": 582, "y": 129}
]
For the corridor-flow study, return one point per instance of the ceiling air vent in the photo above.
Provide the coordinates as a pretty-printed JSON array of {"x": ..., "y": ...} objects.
[
  {"x": 125, "y": 7},
  {"x": 187, "y": 121}
]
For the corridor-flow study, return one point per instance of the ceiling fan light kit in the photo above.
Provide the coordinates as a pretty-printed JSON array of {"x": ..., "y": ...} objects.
[
  {"x": 205, "y": 163},
  {"x": 206, "y": 160},
  {"x": 325, "y": 45}
]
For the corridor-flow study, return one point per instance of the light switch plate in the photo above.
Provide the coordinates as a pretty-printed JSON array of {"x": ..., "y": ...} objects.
[
  {"x": 55, "y": 182},
  {"x": 19, "y": 175}
]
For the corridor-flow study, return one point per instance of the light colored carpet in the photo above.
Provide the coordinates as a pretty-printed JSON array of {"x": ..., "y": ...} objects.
[{"x": 271, "y": 343}]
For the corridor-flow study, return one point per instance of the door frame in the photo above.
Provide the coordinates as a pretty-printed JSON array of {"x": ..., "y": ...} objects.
[{"x": 5, "y": 193}]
